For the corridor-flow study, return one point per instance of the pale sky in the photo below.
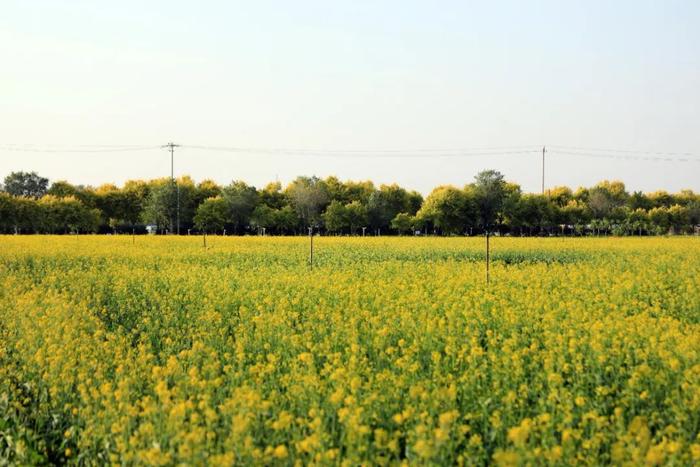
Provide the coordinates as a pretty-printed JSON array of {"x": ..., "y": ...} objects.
[{"x": 352, "y": 75}]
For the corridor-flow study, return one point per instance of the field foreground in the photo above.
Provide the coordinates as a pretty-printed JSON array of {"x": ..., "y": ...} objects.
[{"x": 158, "y": 351}]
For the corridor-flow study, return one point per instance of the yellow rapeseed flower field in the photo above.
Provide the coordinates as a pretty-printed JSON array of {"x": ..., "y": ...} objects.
[{"x": 390, "y": 351}]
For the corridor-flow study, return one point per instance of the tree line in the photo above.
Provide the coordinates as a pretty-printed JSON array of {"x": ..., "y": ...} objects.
[{"x": 29, "y": 204}]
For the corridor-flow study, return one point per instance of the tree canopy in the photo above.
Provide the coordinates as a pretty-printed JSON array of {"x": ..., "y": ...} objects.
[
  {"x": 28, "y": 184},
  {"x": 29, "y": 204}
]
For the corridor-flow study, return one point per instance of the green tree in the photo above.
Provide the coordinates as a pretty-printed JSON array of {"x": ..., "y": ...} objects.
[
  {"x": 137, "y": 192},
  {"x": 660, "y": 199},
  {"x": 694, "y": 213},
  {"x": 356, "y": 215},
  {"x": 536, "y": 211},
  {"x": 28, "y": 184},
  {"x": 660, "y": 218},
  {"x": 160, "y": 205},
  {"x": 335, "y": 189},
  {"x": 170, "y": 203},
  {"x": 686, "y": 197},
  {"x": 605, "y": 199},
  {"x": 285, "y": 220},
  {"x": 560, "y": 195},
  {"x": 8, "y": 212},
  {"x": 638, "y": 220},
  {"x": 679, "y": 219},
  {"x": 28, "y": 215},
  {"x": 448, "y": 209},
  {"x": 489, "y": 194},
  {"x": 389, "y": 200},
  {"x": 511, "y": 204},
  {"x": 402, "y": 223},
  {"x": 112, "y": 203},
  {"x": 64, "y": 215},
  {"x": 188, "y": 202},
  {"x": 211, "y": 215},
  {"x": 575, "y": 213},
  {"x": 241, "y": 200},
  {"x": 309, "y": 197},
  {"x": 63, "y": 189},
  {"x": 349, "y": 191},
  {"x": 335, "y": 217},
  {"x": 204, "y": 190},
  {"x": 639, "y": 200},
  {"x": 358, "y": 191},
  {"x": 263, "y": 217},
  {"x": 273, "y": 196}
]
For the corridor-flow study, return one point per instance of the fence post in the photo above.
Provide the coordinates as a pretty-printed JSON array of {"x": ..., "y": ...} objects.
[
  {"x": 488, "y": 257},
  {"x": 311, "y": 247}
]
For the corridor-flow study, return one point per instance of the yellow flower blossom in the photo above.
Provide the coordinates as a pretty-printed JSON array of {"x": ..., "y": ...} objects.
[{"x": 280, "y": 452}]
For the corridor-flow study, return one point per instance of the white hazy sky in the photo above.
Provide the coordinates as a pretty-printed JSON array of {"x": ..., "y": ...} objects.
[{"x": 351, "y": 75}]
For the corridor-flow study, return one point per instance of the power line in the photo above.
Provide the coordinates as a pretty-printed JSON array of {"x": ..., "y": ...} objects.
[
  {"x": 365, "y": 153},
  {"x": 625, "y": 151},
  {"x": 54, "y": 145},
  {"x": 623, "y": 156},
  {"x": 80, "y": 149}
]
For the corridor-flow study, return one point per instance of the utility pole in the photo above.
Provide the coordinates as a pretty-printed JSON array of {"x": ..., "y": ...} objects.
[
  {"x": 543, "y": 151},
  {"x": 171, "y": 146}
]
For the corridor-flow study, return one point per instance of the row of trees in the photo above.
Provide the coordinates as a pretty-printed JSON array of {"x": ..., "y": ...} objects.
[
  {"x": 606, "y": 208},
  {"x": 28, "y": 203}
]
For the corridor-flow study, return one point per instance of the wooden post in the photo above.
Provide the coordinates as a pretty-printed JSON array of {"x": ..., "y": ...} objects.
[
  {"x": 488, "y": 258},
  {"x": 204, "y": 237},
  {"x": 311, "y": 246}
]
